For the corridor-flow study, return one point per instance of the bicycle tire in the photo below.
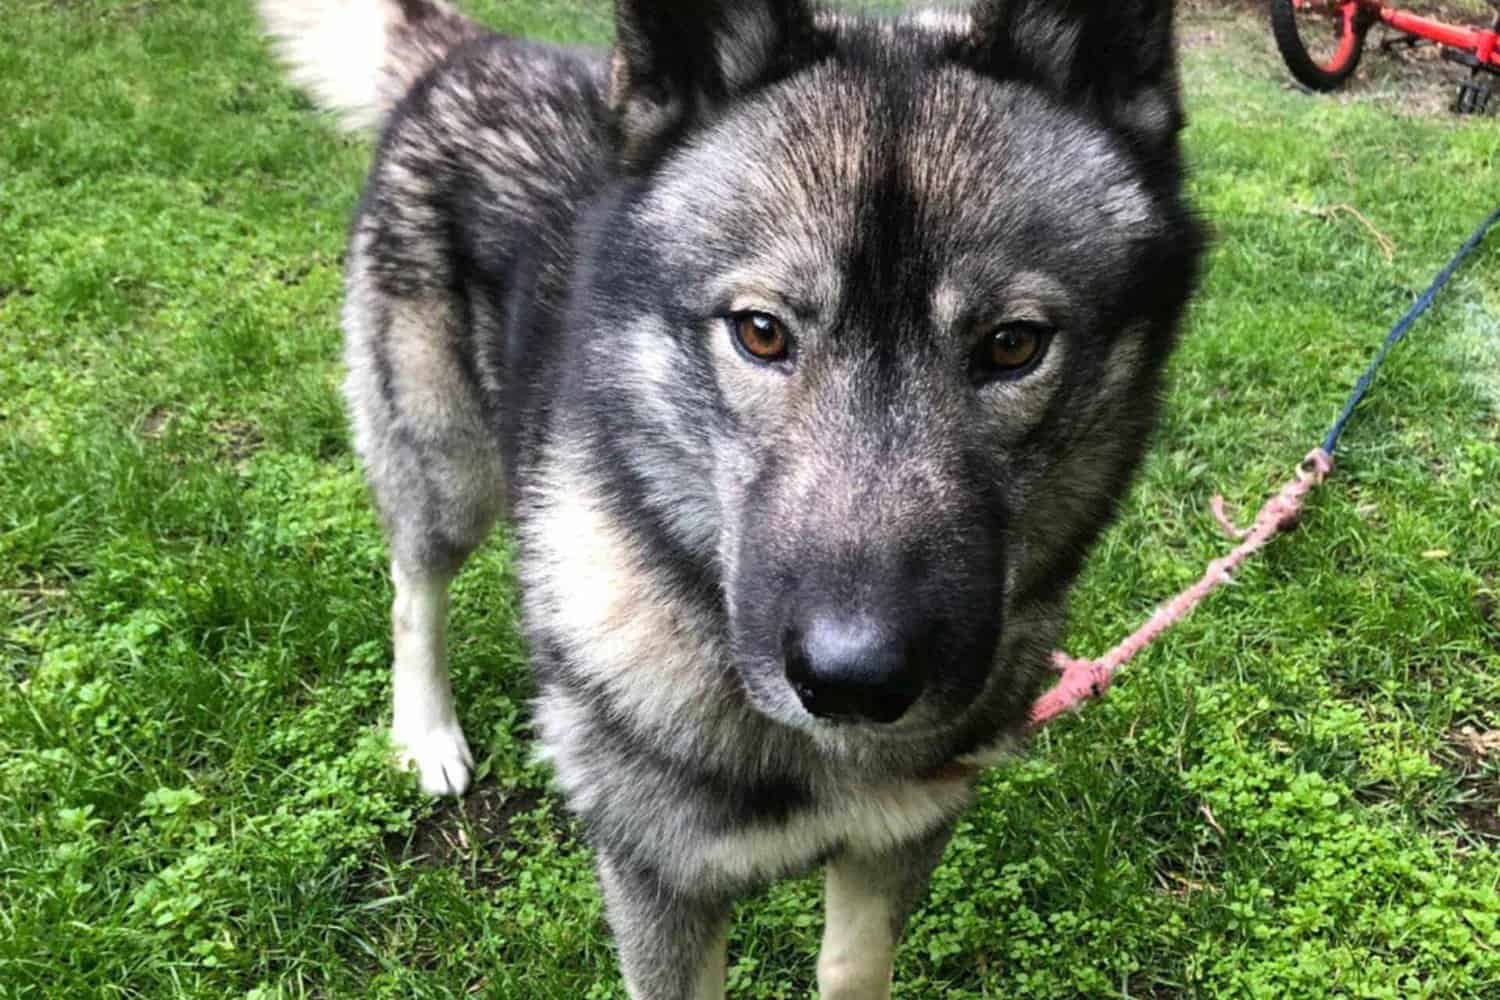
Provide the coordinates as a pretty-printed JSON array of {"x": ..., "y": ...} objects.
[{"x": 1325, "y": 75}]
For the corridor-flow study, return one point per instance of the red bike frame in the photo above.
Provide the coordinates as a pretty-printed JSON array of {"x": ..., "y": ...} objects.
[{"x": 1482, "y": 43}]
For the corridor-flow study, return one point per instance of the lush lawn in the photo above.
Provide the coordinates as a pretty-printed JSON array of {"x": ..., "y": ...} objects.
[{"x": 1289, "y": 797}]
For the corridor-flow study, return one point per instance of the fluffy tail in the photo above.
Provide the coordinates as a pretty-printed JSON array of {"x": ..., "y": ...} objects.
[{"x": 358, "y": 57}]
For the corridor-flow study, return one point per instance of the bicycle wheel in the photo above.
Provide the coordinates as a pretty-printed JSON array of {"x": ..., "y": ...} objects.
[{"x": 1320, "y": 40}]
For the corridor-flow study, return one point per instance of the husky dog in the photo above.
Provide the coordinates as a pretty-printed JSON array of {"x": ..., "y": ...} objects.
[{"x": 806, "y": 355}]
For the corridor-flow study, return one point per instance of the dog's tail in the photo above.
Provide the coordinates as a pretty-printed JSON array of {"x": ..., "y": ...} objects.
[{"x": 359, "y": 57}]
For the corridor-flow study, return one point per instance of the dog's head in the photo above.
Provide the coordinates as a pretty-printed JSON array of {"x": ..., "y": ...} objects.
[{"x": 887, "y": 304}]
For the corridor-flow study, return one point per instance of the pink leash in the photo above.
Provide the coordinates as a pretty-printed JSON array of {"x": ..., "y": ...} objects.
[{"x": 1085, "y": 679}]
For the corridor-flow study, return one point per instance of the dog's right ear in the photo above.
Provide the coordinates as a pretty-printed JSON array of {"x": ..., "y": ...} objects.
[
  {"x": 675, "y": 60},
  {"x": 1116, "y": 56}
]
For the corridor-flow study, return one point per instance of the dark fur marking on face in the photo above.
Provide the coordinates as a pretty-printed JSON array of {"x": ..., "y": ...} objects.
[{"x": 889, "y": 255}]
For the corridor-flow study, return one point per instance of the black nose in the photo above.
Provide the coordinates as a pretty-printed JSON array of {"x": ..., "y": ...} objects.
[{"x": 851, "y": 669}]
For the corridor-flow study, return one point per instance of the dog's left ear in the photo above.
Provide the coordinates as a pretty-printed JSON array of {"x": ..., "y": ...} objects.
[
  {"x": 675, "y": 60},
  {"x": 1115, "y": 56}
]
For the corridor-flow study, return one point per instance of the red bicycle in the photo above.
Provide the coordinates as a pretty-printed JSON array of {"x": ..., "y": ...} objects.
[{"x": 1322, "y": 40}]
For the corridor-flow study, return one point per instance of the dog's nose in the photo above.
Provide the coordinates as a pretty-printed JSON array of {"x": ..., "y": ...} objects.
[{"x": 851, "y": 669}]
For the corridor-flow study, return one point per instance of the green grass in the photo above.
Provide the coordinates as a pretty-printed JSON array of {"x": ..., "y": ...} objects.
[{"x": 1278, "y": 800}]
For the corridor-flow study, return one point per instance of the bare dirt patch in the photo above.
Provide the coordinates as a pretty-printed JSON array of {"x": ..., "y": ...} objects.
[
  {"x": 1412, "y": 81},
  {"x": 1455, "y": 11},
  {"x": 1415, "y": 80},
  {"x": 154, "y": 424},
  {"x": 237, "y": 439},
  {"x": 1472, "y": 753},
  {"x": 7, "y": 291},
  {"x": 25, "y": 608},
  {"x": 471, "y": 833}
]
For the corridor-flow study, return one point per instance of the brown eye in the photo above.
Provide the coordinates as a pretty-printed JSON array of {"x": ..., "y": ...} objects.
[
  {"x": 1011, "y": 349},
  {"x": 761, "y": 336}
]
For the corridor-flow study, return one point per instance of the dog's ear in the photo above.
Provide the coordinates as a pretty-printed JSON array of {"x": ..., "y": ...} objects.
[
  {"x": 1117, "y": 56},
  {"x": 675, "y": 60}
]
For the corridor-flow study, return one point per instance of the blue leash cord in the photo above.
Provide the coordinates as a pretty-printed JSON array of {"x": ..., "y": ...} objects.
[{"x": 1398, "y": 332}]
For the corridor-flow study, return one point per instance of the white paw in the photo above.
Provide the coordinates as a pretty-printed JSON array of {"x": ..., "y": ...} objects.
[{"x": 441, "y": 757}]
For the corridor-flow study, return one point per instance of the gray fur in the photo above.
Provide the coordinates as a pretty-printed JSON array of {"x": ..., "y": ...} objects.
[{"x": 541, "y": 287}]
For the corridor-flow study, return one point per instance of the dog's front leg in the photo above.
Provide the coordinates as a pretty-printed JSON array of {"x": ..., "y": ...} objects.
[
  {"x": 868, "y": 900},
  {"x": 671, "y": 945},
  {"x": 425, "y": 726}
]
